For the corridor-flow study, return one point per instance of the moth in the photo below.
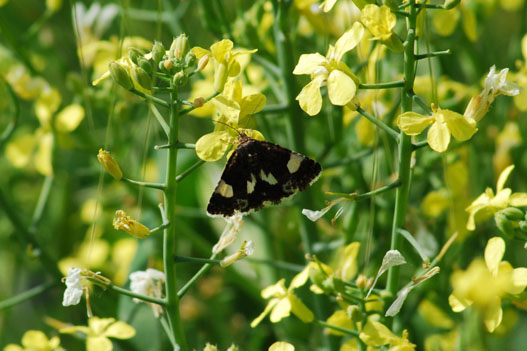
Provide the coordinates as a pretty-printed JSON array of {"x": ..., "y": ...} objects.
[{"x": 260, "y": 173}]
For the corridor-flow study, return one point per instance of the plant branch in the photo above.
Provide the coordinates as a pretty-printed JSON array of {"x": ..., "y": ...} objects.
[
  {"x": 126, "y": 292},
  {"x": 391, "y": 132},
  {"x": 196, "y": 276},
  {"x": 395, "y": 84},
  {"x": 158, "y": 186},
  {"x": 27, "y": 295},
  {"x": 433, "y": 54}
]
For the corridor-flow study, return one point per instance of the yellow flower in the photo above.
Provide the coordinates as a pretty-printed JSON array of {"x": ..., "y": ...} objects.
[
  {"x": 283, "y": 302},
  {"x": 443, "y": 124},
  {"x": 484, "y": 284},
  {"x": 380, "y": 21},
  {"x": 341, "y": 82},
  {"x": 109, "y": 164},
  {"x": 445, "y": 21},
  {"x": 377, "y": 334},
  {"x": 488, "y": 204},
  {"x": 129, "y": 225},
  {"x": 234, "y": 110},
  {"x": 506, "y": 140},
  {"x": 99, "y": 330},
  {"x": 35, "y": 340},
  {"x": 36, "y": 149},
  {"x": 225, "y": 62}
]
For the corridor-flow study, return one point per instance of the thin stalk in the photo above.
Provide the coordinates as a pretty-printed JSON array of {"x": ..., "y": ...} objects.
[
  {"x": 433, "y": 54},
  {"x": 178, "y": 145},
  {"x": 180, "y": 259},
  {"x": 159, "y": 186},
  {"x": 27, "y": 295},
  {"x": 395, "y": 84},
  {"x": 169, "y": 237},
  {"x": 157, "y": 100},
  {"x": 189, "y": 170},
  {"x": 146, "y": 298},
  {"x": 337, "y": 328},
  {"x": 358, "y": 197},
  {"x": 275, "y": 108},
  {"x": 196, "y": 276},
  {"x": 405, "y": 148},
  {"x": 41, "y": 203},
  {"x": 391, "y": 132},
  {"x": 207, "y": 99},
  {"x": 420, "y": 144},
  {"x": 160, "y": 228}
]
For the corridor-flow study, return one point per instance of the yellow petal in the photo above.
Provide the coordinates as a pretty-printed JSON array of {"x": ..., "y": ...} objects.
[
  {"x": 252, "y": 104},
  {"x": 308, "y": 63},
  {"x": 69, "y": 118},
  {"x": 347, "y": 261},
  {"x": 379, "y": 20},
  {"x": 98, "y": 325},
  {"x": 494, "y": 253},
  {"x": 13, "y": 347},
  {"x": 348, "y": 41},
  {"x": 299, "y": 309},
  {"x": 493, "y": 315},
  {"x": 46, "y": 105},
  {"x": 518, "y": 199},
  {"x": 98, "y": 343},
  {"x": 281, "y": 310},
  {"x": 434, "y": 315},
  {"x": 412, "y": 123},
  {"x": 376, "y": 334},
  {"x": 438, "y": 136},
  {"x": 212, "y": 146},
  {"x": 519, "y": 280},
  {"x": 445, "y": 21},
  {"x": 44, "y": 153},
  {"x": 200, "y": 52},
  {"x": 310, "y": 99},
  {"x": 276, "y": 290},
  {"x": 341, "y": 88},
  {"x": 504, "y": 175},
  {"x": 341, "y": 319},
  {"x": 266, "y": 311},
  {"x": 19, "y": 150},
  {"x": 221, "y": 49},
  {"x": 435, "y": 202},
  {"x": 281, "y": 346},
  {"x": 469, "y": 23},
  {"x": 300, "y": 279},
  {"x": 34, "y": 339},
  {"x": 229, "y": 110},
  {"x": 458, "y": 303},
  {"x": 462, "y": 128},
  {"x": 120, "y": 330}
]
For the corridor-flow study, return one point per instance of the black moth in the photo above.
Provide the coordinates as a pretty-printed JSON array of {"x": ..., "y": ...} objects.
[{"x": 259, "y": 173}]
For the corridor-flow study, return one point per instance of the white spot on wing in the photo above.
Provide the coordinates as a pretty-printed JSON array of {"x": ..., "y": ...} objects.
[
  {"x": 269, "y": 178},
  {"x": 251, "y": 184},
  {"x": 224, "y": 189},
  {"x": 294, "y": 162}
]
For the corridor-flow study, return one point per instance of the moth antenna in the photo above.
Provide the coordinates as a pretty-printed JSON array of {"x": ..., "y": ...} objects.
[{"x": 228, "y": 125}]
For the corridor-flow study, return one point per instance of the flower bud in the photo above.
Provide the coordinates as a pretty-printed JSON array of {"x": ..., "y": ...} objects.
[
  {"x": 220, "y": 77},
  {"x": 180, "y": 79},
  {"x": 513, "y": 213},
  {"x": 198, "y": 102},
  {"x": 203, "y": 62},
  {"x": 506, "y": 226},
  {"x": 168, "y": 64},
  {"x": 109, "y": 164},
  {"x": 158, "y": 51},
  {"x": 179, "y": 47},
  {"x": 134, "y": 54},
  {"x": 477, "y": 108},
  {"x": 54, "y": 5},
  {"x": 121, "y": 76},
  {"x": 361, "y": 281},
  {"x": 190, "y": 59},
  {"x": 146, "y": 65},
  {"x": 355, "y": 313},
  {"x": 129, "y": 225},
  {"x": 142, "y": 77},
  {"x": 245, "y": 250}
]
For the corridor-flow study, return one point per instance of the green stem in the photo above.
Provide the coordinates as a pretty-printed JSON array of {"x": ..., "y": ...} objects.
[
  {"x": 27, "y": 295},
  {"x": 41, "y": 203},
  {"x": 391, "y": 132},
  {"x": 189, "y": 170},
  {"x": 369, "y": 194},
  {"x": 420, "y": 144},
  {"x": 346, "y": 161},
  {"x": 337, "y": 328},
  {"x": 16, "y": 114},
  {"x": 179, "y": 259},
  {"x": 275, "y": 108},
  {"x": 196, "y": 276},
  {"x": 157, "y": 229},
  {"x": 396, "y": 84},
  {"x": 169, "y": 237},
  {"x": 178, "y": 145},
  {"x": 159, "y": 186},
  {"x": 122, "y": 291},
  {"x": 157, "y": 100},
  {"x": 433, "y": 54},
  {"x": 405, "y": 149}
]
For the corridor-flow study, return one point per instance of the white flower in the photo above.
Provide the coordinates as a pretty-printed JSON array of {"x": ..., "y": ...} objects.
[
  {"x": 229, "y": 234},
  {"x": 148, "y": 283},
  {"x": 74, "y": 289},
  {"x": 245, "y": 250},
  {"x": 497, "y": 84}
]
